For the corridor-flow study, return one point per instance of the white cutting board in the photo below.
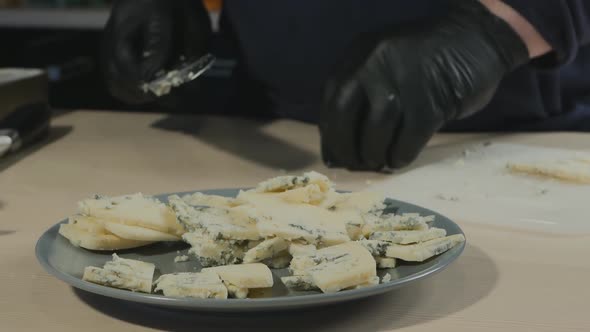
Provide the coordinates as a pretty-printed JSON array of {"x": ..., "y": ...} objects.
[{"x": 476, "y": 186}]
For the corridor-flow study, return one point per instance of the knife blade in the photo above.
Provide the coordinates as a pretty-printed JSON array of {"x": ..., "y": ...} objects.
[
  {"x": 9, "y": 141},
  {"x": 181, "y": 74}
]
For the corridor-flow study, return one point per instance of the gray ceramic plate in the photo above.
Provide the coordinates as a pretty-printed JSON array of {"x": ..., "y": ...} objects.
[{"x": 67, "y": 263}]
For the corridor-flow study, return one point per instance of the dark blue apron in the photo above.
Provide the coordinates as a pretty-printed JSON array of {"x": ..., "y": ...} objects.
[{"x": 290, "y": 46}]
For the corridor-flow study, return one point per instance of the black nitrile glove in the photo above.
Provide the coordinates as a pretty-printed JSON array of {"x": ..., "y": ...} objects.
[
  {"x": 384, "y": 105},
  {"x": 144, "y": 37}
]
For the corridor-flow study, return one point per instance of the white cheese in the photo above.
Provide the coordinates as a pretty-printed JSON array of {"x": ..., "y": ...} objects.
[
  {"x": 220, "y": 223},
  {"x": 122, "y": 273},
  {"x": 202, "y": 285}
]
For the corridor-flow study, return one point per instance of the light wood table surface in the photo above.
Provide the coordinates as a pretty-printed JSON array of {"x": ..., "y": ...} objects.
[{"x": 506, "y": 280}]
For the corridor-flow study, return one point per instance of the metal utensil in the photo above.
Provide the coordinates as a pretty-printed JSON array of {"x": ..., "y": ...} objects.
[
  {"x": 9, "y": 141},
  {"x": 178, "y": 76}
]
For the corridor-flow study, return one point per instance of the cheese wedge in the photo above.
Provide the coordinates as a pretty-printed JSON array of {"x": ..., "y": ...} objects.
[
  {"x": 407, "y": 237},
  {"x": 202, "y": 285},
  {"x": 132, "y": 210},
  {"x": 394, "y": 222},
  {"x": 80, "y": 237},
  {"x": 266, "y": 249},
  {"x": 422, "y": 251},
  {"x": 122, "y": 273},
  {"x": 139, "y": 233},
  {"x": 338, "y": 267},
  {"x": 219, "y": 223},
  {"x": 256, "y": 275}
]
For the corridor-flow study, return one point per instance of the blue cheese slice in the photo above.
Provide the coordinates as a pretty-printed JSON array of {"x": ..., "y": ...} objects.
[
  {"x": 407, "y": 237},
  {"x": 256, "y": 275},
  {"x": 212, "y": 252},
  {"x": 219, "y": 223},
  {"x": 122, "y": 273},
  {"x": 422, "y": 251},
  {"x": 266, "y": 249},
  {"x": 132, "y": 210},
  {"x": 309, "y": 223},
  {"x": 298, "y": 282},
  {"x": 202, "y": 285},
  {"x": 377, "y": 248},
  {"x": 337, "y": 267}
]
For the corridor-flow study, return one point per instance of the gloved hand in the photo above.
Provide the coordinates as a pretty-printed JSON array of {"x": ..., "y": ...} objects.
[
  {"x": 143, "y": 37},
  {"x": 383, "y": 106}
]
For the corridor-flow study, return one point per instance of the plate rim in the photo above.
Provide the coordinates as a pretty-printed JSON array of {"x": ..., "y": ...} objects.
[{"x": 273, "y": 303}]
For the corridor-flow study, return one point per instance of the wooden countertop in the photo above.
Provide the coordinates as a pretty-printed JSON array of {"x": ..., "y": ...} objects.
[{"x": 505, "y": 280}]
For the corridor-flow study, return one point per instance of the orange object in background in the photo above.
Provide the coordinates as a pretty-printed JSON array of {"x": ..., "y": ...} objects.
[{"x": 213, "y": 5}]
